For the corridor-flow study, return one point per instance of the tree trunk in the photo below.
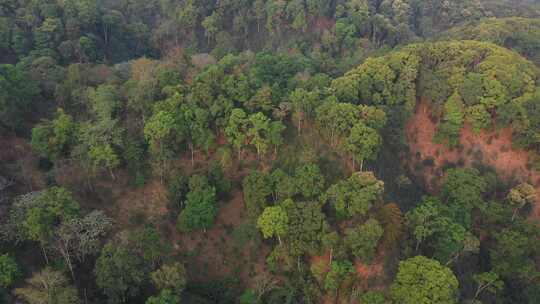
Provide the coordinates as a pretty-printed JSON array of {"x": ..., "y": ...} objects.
[
  {"x": 44, "y": 254},
  {"x": 514, "y": 213},
  {"x": 191, "y": 148}
]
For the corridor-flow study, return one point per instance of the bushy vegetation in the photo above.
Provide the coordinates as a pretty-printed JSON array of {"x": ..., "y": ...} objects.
[{"x": 254, "y": 151}]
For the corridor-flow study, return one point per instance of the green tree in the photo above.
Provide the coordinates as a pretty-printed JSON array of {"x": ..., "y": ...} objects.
[
  {"x": 336, "y": 119},
  {"x": 149, "y": 244},
  {"x": 273, "y": 222},
  {"x": 257, "y": 132},
  {"x": 119, "y": 272},
  {"x": 339, "y": 272},
  {"x": 53, "y": 139},
  {"x": 355, "y": 195},
  {"x": 307, "y": 225},
  {"x": 104, "y": 156},
  {"x": 236, "y": 130},
  {"x": 464, "y": 186},
  {"x": 363, "y": 143},
  {"x": 17, "y": 92},
  {"x": 487, "y": 281},
  {"x": 513, "y": 252},
  {"x": 158, "y": 130},
  {"x": 304, "y": 104},
  {"x": 104, "y": 101},
  {"x": 9, "y": 271},
  {"x": 50, "y": 208},
  {"x": 257, "y": 188},
  {"x": 424, "y": 281},
  {"x": 201, "y": 206},
  {"x": 309, "y": 181},
  {"x": 452, "y": 122},
  {"x": 373, "y": 297},
  {"x": 211, "y": 25},
  {"x": 363, "y": 240},
  {"x": 164, "y": 297},
  {"x": 423, "y": 220}
]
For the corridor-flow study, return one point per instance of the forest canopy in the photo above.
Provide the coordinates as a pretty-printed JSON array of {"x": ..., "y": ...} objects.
[{"x": 262, "y": 151}]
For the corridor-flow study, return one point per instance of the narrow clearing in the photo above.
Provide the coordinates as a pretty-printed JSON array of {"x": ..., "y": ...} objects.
[{"x": 491, "y": 148}]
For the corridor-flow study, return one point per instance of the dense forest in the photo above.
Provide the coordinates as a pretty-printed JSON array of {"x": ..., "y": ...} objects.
[{"x": 269, "y": 151}]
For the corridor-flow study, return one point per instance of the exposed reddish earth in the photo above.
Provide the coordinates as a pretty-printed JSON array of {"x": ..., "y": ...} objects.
[{"x": 490, "y": 147}]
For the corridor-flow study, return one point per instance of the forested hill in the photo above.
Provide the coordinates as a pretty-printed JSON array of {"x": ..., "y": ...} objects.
[
  {"x": 261, "y": 151},
  {"x": 117, "y": 30}
]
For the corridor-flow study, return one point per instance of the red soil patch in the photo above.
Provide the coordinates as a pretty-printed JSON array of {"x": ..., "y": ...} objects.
[
  {"x": 150, "y": 199},
  {"x": 16, "y": 154},
  {"x": 492, "y": 148}
]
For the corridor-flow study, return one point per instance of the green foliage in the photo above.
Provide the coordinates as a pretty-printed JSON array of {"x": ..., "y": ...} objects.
[
  {"x": 452, "y": 121},
  {"x": 512, "y": 253},
  {"x": 17, "y": 92},
  {"x": 336, "y": 119},
  {"x": 517, "y": 33},
  {"x": 372, "y": 297},
  {"x": 119, "y": 273},
  {"x": 9, "y": 270},
  {"x": 249, "y": 297},
  {"x": 306, "y": 226},
  {"x": 460, "y": 75},
  {"x": 177, "y": 189},
  {"x": 488, "y": 281},
  {"x": 53, "y": 206},
  {"x": 309, "y": 181},
  {"x": 363, "y": 240},
  {"x": 363, "y": 142},
  {"x": 355, "y": 195},
  {"x": 434, "y": 221},
  {"x": 257, "y": 187},
  {"x": 339, "y": 272},
  {"x": 425, "y": 281},
  {"x": 54, "y": 139},
  {"x": 148, "y": 243},
  {"x": 201, "y": 208},
  {"x": 273, "y": 222},
  {"x": 464, "y": 187},
  {"x": 392, "y": 219},
  {"x": 164, "y": 297}
]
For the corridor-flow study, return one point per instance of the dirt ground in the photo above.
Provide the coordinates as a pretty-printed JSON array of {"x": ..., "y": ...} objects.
[
  {"x": 215, "y": 253},
  {"x": 489, "y": 147}
]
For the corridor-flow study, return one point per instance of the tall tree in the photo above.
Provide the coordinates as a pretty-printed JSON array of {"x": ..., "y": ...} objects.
[
  {"x": 363, "y": 240},
  {"x": 201, "y": 206},
  {"x": 355, "y": 195},
  {"x": 273, "y": 222},
  {"x": 424, "y": 281},
  {"x": 119, "y": 272},
  {"x": 363, "y": 143}
]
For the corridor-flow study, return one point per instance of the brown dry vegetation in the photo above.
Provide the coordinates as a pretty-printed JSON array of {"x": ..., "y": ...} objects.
[{"x": 490, "y": 147}]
